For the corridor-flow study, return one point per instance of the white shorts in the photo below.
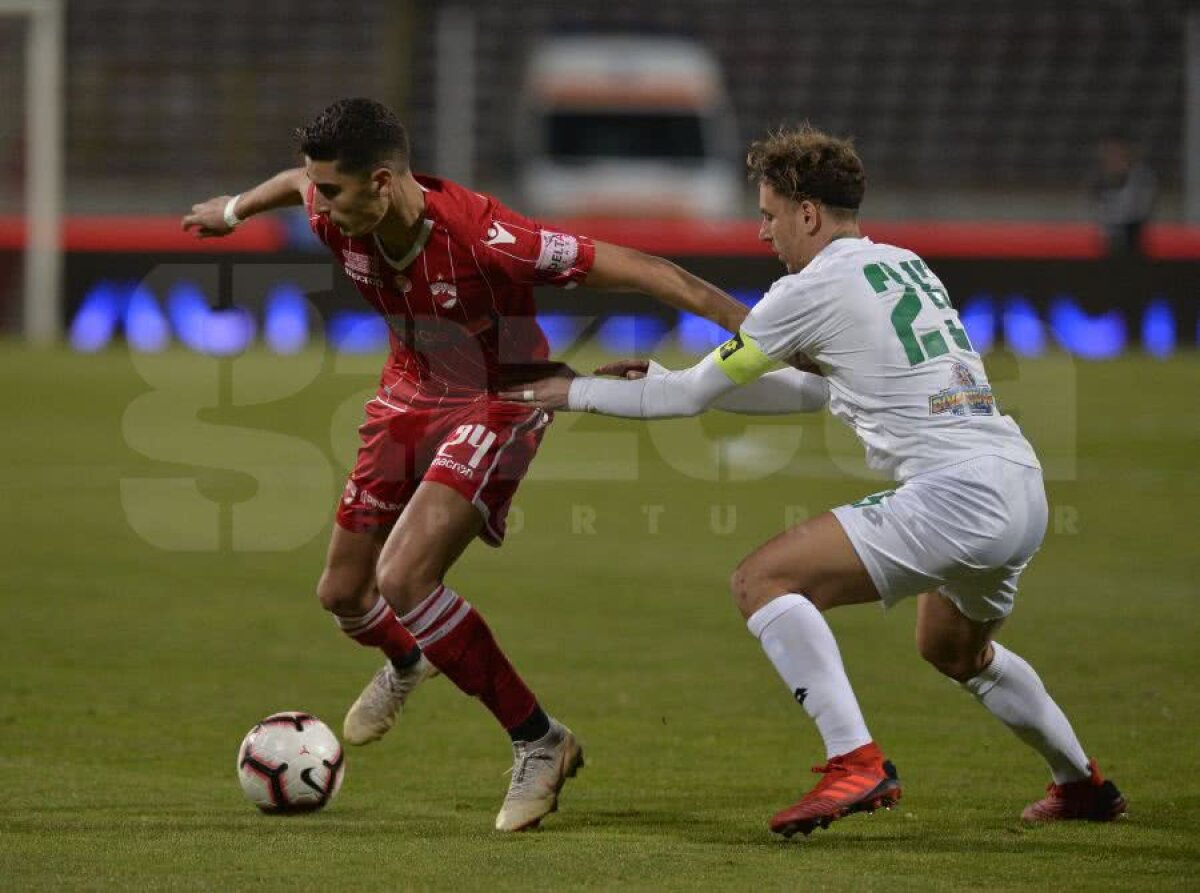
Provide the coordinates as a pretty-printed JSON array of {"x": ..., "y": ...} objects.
[{"x": 966, "y": 531}]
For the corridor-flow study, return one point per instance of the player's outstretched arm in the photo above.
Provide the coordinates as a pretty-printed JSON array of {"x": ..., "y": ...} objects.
[
  {"x": 209, "y": 219},
  {"x": 782, "y": 392},
  {"x": 667, "y": 395},
  {"x": 617, "y": 268}
]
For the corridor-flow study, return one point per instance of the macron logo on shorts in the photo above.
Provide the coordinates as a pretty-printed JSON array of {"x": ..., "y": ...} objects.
[
  {"x": 455, "y": 466},
  {"x": 559, "y": 252}
]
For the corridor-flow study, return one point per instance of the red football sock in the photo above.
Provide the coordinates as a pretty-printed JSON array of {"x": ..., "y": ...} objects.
[
  {"x": 381, "y": 628},
  {"x": 459, "y": 643}
]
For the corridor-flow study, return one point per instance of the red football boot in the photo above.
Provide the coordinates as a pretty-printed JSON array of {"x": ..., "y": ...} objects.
[
  {"x": 858, "y": 781},
  {"x": 1092, "y": 799}
]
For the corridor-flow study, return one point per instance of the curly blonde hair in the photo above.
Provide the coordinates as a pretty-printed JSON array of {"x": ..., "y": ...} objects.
[{"x": 808, "y": 164}]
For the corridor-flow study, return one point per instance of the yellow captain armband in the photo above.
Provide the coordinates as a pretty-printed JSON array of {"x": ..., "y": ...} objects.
[{"x": 741, "y": 360}]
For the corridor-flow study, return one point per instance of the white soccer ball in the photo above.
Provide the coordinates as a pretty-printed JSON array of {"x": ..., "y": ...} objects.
[{"x": 290, "y": 762}]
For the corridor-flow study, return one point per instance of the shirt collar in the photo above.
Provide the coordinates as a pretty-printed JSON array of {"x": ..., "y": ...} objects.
[
  {"x": 843, "y": 244},
  {"x": 418, "y": 245}
]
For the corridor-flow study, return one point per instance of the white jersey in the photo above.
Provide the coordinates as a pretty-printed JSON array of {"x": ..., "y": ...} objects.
[{"x": 901, "y": 370}]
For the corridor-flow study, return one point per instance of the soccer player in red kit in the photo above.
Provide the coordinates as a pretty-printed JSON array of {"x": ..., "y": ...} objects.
[{"x": 452, "y": 271}]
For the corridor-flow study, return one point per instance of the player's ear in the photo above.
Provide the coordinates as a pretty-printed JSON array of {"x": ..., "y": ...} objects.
[
  {"x": 381, "y": 180},
  {"x": 810, "y": 216}
]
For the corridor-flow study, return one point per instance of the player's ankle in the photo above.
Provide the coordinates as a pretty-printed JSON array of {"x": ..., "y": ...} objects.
[
  {"x": 865, "y": 754},
  {"x": 535, "y": 726},
  {"x": 408, "y": 660}
]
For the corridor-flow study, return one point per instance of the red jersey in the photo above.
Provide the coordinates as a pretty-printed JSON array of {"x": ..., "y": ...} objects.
[{"x": 459, "y": 305}]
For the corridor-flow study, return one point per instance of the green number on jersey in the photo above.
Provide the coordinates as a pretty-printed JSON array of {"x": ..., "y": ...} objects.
[
  {"x": 918, "y": 349},
  {"x": 873, "y": 499}
]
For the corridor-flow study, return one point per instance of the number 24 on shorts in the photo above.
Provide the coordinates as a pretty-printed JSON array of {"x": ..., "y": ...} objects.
[
  {"x": 884, "y": 278},
  {"x": 472, "y": 435}
]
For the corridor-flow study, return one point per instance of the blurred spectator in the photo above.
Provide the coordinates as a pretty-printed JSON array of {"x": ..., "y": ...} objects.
[{"x": 1122, "y": 192}]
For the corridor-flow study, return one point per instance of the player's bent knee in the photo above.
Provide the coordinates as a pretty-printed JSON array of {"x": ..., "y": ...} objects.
[
  {"x": 959, "y": 666},
  {"x": 751, "y": 588},
  {"x": 404, "y": 587},
  {"x": 341, "y": 592}
]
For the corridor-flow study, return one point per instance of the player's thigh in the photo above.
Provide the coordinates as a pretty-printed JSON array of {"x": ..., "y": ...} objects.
[
  {"x": 347, "y": 583},
  {"x": 486, "y": 455},
  {"x": 395, "y": 447},
  {"x": 436, "y": 526},
  {"x": 950, "y": 640},
  {"x": 815, "y": 559}
]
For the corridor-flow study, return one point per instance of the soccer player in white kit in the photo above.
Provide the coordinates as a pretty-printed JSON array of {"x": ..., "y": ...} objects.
[{"x": 966, "y": 515}]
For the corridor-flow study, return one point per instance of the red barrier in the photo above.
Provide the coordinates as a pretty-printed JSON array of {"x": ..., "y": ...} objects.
[
  {"x": 130, "y": 234},
  {"x": 679, "y": 238}
]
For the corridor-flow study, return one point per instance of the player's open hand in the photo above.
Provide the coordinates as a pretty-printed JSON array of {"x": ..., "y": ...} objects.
[
  {"x": 628, "y": 369},
  {"x": 545, "y": 393},
  {"x": 208, "y": 218}
]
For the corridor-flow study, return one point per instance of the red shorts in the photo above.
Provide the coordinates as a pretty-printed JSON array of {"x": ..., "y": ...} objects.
[{"x": 480, "y": 449}]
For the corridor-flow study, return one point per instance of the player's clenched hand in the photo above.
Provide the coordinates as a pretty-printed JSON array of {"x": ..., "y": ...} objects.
[
  {"x": 545, "y": 393},
  {"x": 629, "y": 369},
  {"x": 208, "y": 218}
]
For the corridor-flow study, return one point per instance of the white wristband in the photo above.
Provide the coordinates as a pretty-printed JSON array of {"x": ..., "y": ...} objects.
[{"x": 231, "y": 217}]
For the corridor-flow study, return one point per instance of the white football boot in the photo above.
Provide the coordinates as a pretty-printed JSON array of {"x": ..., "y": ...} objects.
[
  {"x": 379, "y": 705},
  {"x": 540, "y": 769}
]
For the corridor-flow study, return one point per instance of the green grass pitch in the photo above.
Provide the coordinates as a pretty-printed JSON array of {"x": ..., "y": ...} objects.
[{"x": 164, "y": 519}]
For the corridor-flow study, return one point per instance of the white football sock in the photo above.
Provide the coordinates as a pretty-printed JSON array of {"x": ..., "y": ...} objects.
[
  {"x": 1014, "y": 694},
  {"x": 801, "y": 646}
]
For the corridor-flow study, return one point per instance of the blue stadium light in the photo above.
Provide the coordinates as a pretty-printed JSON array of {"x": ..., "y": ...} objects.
[
  {"x": 978, "y": 317},
  {"x": 285, "y": 319},
  {"x": 561, "y": 329},
  {"x": 1158, "y": 328},
  {"x": 220, "y": 333},
  {"x": 697, "y": 335},
  {"x": 357, "y": 331},
  {"x": 146, "y": 328},
  {"x": 631, "y": 334},
  {"x": 228, "y": 332},
  {"x": 187, "y": 308},
  {"x": 1091, "y": 337},
  {"x": 95, "y": 322},
  {"x": 1023, "y": 330}
]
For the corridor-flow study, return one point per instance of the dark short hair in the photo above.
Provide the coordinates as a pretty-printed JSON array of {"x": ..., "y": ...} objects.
[
  {"x": 806, "y": 163},
  {"x": 359, "y": 134}
]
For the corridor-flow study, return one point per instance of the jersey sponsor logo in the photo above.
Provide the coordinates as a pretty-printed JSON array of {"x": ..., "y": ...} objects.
[
  {"x": 964, "y": 397},
  {"x": 362, "y": 268},
  {"x": 498, "y": 235},
  {"x": 559, "y": 252},
  {"x": 445, "y": 293}
]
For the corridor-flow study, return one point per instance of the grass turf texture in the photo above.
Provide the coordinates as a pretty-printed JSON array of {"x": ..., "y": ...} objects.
[{"x": 132, "y": 671}]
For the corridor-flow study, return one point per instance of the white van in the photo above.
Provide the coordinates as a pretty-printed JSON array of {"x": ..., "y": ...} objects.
[{"x": 627, "y": 127}]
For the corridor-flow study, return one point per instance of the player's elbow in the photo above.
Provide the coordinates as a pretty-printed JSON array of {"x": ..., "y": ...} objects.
[
  {"x": 692, "y": 405},
  {"x": 617, "y": 268},
  {"x": 816, "y": 394}
]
